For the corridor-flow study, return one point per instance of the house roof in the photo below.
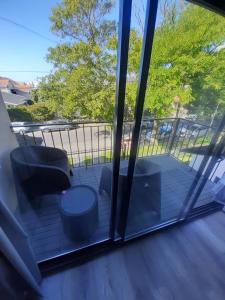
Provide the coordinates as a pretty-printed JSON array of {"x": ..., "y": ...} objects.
[
  {"x": 22, "y": 87},
  {"x": 4, "y": 83},
  {"x": 13, "y": 99},
  {"x": 20, "y": 92}
]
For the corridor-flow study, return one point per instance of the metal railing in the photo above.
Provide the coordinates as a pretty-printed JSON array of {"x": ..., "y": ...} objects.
[{"x": 89, "y": 143}]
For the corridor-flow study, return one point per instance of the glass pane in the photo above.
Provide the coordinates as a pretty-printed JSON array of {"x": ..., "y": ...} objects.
[
  {"x": 59, "y": 181},
  {"x": 213, "y": 190},
  {"x": 183, "y": 105}
]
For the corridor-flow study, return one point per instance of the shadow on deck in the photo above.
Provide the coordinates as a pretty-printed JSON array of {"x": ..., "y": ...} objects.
[{"x": 44, "y": 225}]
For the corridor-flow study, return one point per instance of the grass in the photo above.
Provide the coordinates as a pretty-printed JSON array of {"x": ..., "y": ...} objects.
[
  {"x": 87, "y": 160},
  {"x": 147, "y": 150},
  {"x": 184, "y": 157},
  {"x": 106, "y": 157},
  {"x": 203, "y": 141},
  {"x": 70, "y": 160}
]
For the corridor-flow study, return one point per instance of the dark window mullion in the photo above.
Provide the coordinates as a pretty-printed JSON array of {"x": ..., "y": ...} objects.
[
  {"x": 122, "y": 60},
  {"x": 149, "y": 29}
]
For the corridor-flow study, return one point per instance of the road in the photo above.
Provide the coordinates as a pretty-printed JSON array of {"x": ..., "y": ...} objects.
[{"x": 88, "y": 141}]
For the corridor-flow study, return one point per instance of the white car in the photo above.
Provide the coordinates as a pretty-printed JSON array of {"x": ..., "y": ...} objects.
[
  {"x": 146, "y": 137},
  {"x": 182, "y": 130},
  {"x": 21, "y": 127},
  {"x": 56, "y": 125}
]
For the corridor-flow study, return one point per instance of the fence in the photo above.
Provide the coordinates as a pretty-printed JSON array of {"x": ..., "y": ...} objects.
[{"x": 91, "y": 143}]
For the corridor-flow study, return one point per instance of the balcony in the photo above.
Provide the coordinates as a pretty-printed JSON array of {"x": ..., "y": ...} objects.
[
  {"x": 113, "y": 60},
  {"x": 168, "y": 143}
]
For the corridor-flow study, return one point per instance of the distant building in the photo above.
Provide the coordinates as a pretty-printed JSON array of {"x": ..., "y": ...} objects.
[
  {"x": 11, "y": 99},
  {"x": 15, "y": 93}
]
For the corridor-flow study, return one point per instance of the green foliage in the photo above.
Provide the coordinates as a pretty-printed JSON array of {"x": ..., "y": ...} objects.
[
  {"x": 83, "y": 20},
  {"x": 106, "y": 157},
  {"x": 34, "y": 96},
  {"x": 19, "y": 114},
  {"x": 83, "y": 82},
  {"x": 87, "y": 160},
  {"x": 50, "y": 93},
  {"x": 186, "y": 68},
  {"x": 32, "y": 113},
  {"x": 70, "y": 160},
  {"x": 39, "y": 112}
]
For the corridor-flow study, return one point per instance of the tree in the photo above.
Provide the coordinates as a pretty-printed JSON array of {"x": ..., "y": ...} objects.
[
  {"x": 186, "y": 66},
  {"x": 51, "y": 93},
  {"x": 34, "y": 96},
  {"x": 84, "y": 77},
  {"x": 39, "y": 112},
  {"x": 186, "y": 69}
]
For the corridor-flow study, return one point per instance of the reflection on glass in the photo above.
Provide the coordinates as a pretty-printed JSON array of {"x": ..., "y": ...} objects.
[{"x": 183, "y": 106}]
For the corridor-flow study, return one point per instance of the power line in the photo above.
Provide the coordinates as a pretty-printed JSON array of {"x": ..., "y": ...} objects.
[
  {"x": 27, "y": 29},
  {"x": 23, "y": 71}
]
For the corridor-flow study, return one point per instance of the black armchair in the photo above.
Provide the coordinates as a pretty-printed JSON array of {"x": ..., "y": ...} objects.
[
  {"x": 146, "y": 189},
  {"x": 40, "y": 170}
]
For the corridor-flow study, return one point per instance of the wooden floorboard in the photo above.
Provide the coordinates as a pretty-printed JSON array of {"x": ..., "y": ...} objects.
[
  {"x": 45, "y": 229},
  {"x": 182, "y": 263}
]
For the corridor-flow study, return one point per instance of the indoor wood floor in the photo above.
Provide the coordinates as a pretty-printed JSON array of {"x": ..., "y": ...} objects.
[{"x": 184, "y": 262}]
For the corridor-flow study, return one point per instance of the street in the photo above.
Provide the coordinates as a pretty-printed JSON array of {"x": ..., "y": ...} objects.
[{"x": 87, "y": 142}]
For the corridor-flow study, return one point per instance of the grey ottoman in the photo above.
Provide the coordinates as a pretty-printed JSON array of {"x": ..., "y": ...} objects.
[{"x": 79, "y": 212}]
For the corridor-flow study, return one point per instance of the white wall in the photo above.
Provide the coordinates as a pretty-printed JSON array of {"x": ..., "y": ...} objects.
[
  {"x": 196, "y": 161},
  {"x": 7, "y": 143}
]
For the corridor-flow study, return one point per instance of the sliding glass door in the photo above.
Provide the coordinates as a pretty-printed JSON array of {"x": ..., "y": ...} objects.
[
  {"x": 160, "y": 160},
  {"x": 171, "y": 154}
]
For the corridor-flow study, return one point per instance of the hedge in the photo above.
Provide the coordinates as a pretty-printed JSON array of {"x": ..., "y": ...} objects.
[{"x": 37, "y": 112}]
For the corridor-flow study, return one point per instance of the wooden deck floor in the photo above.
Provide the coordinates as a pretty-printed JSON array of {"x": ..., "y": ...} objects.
[
  {"x": 181, "y": 263},
  {"x": 44, "y": 223}
]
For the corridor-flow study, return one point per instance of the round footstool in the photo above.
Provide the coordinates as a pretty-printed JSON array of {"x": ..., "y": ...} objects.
[{"x": 79, "y": 212}]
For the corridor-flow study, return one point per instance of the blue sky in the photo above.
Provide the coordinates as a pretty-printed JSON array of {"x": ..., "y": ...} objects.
[{"x": 21, "y": 50}]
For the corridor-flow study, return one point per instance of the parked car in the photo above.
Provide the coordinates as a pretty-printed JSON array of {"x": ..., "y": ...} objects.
[
  {"x": 148, "y": 136},
  {"x": 21, "y": 127},
  {"x": 147, "y": 124},
  {"x": 127, "y": 136},
  {"x": 127, "y": 131},
  {"x": 103, "y": 133},
  {"x": 165, "y": 128},
  {"x": 56, "y": 125},
  {"x": 182, "y": 130},
  {"x": 197, "y": 130}
]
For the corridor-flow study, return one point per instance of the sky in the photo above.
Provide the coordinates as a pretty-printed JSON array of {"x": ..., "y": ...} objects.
[{"x": 21, "y": 50}]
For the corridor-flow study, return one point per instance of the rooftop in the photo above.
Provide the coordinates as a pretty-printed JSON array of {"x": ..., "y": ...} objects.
[
  {"x": 14, "y": 99},
  {"x": 9, "y": 83}
]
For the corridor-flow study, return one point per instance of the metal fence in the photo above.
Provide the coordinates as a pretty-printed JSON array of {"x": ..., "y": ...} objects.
[{"x": 89, "y": 143}]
